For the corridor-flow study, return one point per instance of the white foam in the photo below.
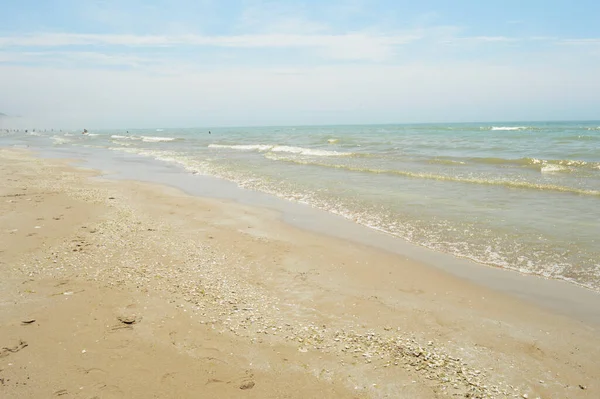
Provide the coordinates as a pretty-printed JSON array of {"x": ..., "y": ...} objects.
[
  {"x": 60, "y": 140},
  {"x": 156, "y": 139},
  {"x": 282, "y": 148},
  {"x": 508, "y": 128},
  {"x": 191, "y": 165},
  {"x": 550, "y": 168},
  {"x": 332, "y": 141},
  {"x": 116, "y": 136},
  {"x": 248, "y": 147},
  {"x": 123, "y": 143},
  {"x": 309, "y": 151}
]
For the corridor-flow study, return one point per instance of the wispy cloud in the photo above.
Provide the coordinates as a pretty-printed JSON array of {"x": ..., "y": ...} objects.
[
  {"x": 481, "y": 40},
  {"x": 342, "y": 46},
  {"x": 247, "y": 40},
  {"x": 73, "y": 58},
  {"x": 139, "y": 50},
  {"x": 580, "y": 42}
]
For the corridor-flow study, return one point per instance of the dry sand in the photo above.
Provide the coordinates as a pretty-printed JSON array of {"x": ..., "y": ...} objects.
[{"x": 130, "y": 290}]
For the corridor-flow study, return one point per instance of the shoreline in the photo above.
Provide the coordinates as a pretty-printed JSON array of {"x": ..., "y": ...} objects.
[
  {"x": 345, "y": 314},
  {"x": 558, "y": 295}
]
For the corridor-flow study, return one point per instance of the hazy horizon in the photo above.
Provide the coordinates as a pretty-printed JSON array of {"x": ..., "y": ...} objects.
[
  {"x": 109, "y": 64},
  {"x": 522, "y": 123}
]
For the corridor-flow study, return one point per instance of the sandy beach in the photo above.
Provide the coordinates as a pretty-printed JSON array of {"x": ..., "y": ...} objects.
[{"x": 124, "y": 289}]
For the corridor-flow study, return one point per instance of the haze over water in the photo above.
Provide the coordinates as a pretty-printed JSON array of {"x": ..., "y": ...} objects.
[{"x": 521, "y": 196}]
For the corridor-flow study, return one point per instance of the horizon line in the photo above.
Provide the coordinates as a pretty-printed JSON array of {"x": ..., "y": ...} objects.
[{"x": 326, "y": 125}]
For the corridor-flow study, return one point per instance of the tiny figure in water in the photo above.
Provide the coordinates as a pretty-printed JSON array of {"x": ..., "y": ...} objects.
[
  {"x": 84, "y": 131},
  {"x": 209, "y": 132}
]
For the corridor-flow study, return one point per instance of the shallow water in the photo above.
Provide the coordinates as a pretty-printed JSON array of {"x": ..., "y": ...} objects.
[{"x": 520, "y": 196}]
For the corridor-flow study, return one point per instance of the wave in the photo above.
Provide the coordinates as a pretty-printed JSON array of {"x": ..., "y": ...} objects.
[
  {"x": 563, "y": 162},
  {"x": 191, "y": 165},
  {"x": 282, "y": 148},
  {"x": 156, "y": 139},
  {"x": 309, "y": 151},
  {"x": 569, "y": 164},
  {"x": 146, "y": 139},
  {"x": 242, "y": 147},
  {"x": 117, "y": 136},
  {"x": 332, "y": 141},
  {"x": 457, "y": 179},
  {"x": 441, "y": 161},
  {"x": 60, "y": 140},
  {"x": 123, "y": 143},
  {"x": 509, "y": 128},
  {"x": 552, "y": 168}
]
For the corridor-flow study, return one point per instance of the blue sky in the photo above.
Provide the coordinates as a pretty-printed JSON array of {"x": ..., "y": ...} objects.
[{"x": 108, "y": 63}]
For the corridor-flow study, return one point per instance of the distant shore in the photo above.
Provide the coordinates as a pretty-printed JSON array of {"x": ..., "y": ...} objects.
[{"x": 128, "y": 289}]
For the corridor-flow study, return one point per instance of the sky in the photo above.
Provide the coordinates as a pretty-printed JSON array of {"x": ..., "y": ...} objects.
[{"x": 198, "y": 63}]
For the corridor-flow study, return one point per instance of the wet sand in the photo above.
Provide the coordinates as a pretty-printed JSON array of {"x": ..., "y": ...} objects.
[{"x": 125, "y": 289}]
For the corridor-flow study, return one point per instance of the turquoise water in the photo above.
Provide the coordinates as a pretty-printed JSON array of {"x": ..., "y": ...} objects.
[{"x": 521, "y": 196}]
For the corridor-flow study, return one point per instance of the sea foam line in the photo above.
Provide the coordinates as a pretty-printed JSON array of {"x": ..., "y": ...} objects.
[
  {"x": 243, "y": 147},
  {"x": 283, "y": 148},
  {"x": 572, "y": 163},
  {"x": 432, "y": 176},
  {"x": 156, "y": 139},
  {"x": 509, "y": 128},
  {"x": 147, "y": 139}
]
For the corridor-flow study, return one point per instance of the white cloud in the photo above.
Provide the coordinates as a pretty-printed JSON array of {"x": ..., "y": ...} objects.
[
  {"x": 345, "y": 46},
  {"x": 75, "y": 39},
  {"x": 72, "y": 59},
  {"x": 580, "y": 42},
  {"x": 363, "y": 45},
  {"x": 245, "y": 40}
]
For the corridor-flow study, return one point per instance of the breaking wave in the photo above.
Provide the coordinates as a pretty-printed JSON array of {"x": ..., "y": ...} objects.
[
  {"x": 242, "y": 147},
  {"x": 508, "y": 128},
  {"x": 155, "y": 139},
  {"x": 146, "y": 139},
  {"x": 282, "y": 148},
  {"x": 458, "y": 179}
]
